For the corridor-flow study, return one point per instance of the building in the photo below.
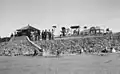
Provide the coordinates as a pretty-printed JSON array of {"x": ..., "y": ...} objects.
[
  {"x": 75, "y": 30},
  {"x": 31, "y": 32}
]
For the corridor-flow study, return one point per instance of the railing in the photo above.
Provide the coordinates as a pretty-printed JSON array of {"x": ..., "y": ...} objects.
[{"x": 34, "y": 44}]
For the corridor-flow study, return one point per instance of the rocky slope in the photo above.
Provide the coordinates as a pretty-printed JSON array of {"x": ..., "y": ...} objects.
[
  {"x": 18, "y": 46},
  {"x": 75, "y": 45}
]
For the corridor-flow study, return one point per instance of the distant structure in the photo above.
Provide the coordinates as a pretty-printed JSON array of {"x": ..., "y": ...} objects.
[
  {"x": 31, "y": 32},
  {"x": 35, "y": 34},
  {"x": 75, "y": 30},
  {"x": 96, "y": 30}
]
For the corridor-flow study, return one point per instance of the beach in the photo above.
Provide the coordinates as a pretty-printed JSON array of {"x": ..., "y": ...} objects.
[{"x": 74, "y": 64}]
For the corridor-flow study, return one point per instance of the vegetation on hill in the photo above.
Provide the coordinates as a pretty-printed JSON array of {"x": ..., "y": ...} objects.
[
  {"x": 67, "y": 45},
  {"x": 17, "y": 46},
  {"x": 75, "y": 45}
]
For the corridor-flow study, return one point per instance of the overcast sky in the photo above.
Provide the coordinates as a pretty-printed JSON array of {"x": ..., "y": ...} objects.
[{"x": 42, "y": 14}]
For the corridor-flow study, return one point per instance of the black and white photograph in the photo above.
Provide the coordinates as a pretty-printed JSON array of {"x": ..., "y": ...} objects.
[{"x": 59, "y": 36}]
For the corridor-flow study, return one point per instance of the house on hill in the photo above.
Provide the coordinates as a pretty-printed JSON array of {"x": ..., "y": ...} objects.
[{"x": 31, "y": 32}]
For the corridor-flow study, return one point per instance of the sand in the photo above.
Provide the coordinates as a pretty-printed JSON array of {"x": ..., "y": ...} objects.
[{"x": 74, "y": 64}]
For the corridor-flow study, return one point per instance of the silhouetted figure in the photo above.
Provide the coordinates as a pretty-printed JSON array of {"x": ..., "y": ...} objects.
[
  {"x": 39, "y": 35},
  {"x": 35, "y": 53},
  {"x": 49, "y": 34},
  {"x": 58, "y": 53},
  {"x": 36, "y": 35},
  {"x": 42, "y": 34},
  {"x": 45, "y": 35},
  {"x": 11, "y": 35},
  {"x": 52, "y": 34}
]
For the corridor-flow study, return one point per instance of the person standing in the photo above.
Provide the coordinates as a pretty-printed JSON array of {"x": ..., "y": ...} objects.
[
  {"x": 35, "y": 53},
  {"x": 58, "y": 52},
  {"x": 11, "y": 35},
  {"x": 39, "y": 33},
  {"x": 42, "y": 34},
  {"x": 45, "y": 35},
  {"x": 49, "y": 34},
  {"x": 52, "y": 34}
]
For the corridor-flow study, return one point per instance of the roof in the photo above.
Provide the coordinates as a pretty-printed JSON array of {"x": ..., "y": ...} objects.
[
  {"x": 28, "y": 27},
  {"x": 73, "y": 27},
  {"x": 54, "y": 26}
]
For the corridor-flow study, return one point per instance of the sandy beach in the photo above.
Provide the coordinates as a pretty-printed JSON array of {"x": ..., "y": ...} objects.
[{"x": 74, "y": 64}]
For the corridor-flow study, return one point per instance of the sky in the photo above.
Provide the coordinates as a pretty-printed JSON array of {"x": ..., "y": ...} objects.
[{"x": 43, "y": 14}]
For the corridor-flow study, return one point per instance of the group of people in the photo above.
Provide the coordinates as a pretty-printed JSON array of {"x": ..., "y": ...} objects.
[
  {"x": 43, "y": 35},
  {"x": 47, "y": 35}
]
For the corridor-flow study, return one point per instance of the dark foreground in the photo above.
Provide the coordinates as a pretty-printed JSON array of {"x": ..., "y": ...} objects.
[{"x": 76, "y": 64}]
